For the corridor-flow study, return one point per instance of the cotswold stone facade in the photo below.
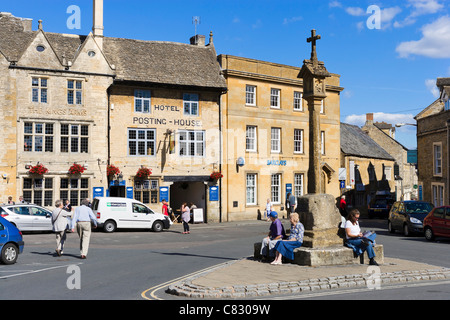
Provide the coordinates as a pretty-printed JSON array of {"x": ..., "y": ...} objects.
[
  {"x": 55, "y": 113},
  {"x": 433, "y": 156},
  {"x": 267, "y": 127}
]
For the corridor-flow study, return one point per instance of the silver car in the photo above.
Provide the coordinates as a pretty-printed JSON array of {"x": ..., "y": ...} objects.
[{"x": 28, "y": 217}]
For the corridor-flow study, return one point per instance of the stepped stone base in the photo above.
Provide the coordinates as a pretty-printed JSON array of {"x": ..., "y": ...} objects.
[{"x": 328, "y": 256}]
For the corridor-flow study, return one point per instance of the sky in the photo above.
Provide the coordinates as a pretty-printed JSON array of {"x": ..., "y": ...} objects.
[{"x": 388, "y": 53}]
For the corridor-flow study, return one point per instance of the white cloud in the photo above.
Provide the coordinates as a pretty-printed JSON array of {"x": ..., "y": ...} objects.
[
  {"x": 431, "y": 86},
  {"x": 360, "y": 120},
  {"x": 291, "y": 20},
  {"x": 387, "y": 15},
  {"x": 335, "y": 4},
  {"x": 435, "y": 42},
  {"x": 355, "y": 11},
  {"x": 420, "y": 7}
]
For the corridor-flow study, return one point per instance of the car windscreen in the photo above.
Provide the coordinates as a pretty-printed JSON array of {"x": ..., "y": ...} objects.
[{"x": 418, "y": 207}]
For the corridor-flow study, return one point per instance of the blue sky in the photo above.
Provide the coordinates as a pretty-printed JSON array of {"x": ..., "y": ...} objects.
[{"x": 390, "y": 71}]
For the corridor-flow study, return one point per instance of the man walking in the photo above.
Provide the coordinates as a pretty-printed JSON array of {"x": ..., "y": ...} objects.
[
  {"x": 82, "y": 220},
  {"x": 59, "y": 221}
]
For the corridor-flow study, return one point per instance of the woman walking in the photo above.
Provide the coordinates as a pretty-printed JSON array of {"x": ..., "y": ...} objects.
[{"x": 185, "y": 217}]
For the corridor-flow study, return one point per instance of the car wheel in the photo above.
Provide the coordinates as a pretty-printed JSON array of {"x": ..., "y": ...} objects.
[
  {"x": 429, "y": 235},
  {"x": 158, "y": 226},
  {"x": 10, "y": 254},
  {"x": 109, "y": 226},
  {"x": 390, "y": 227},
  {"x": 406, "y": 230}
]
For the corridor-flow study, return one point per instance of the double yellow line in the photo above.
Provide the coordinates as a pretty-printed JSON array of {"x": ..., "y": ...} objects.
[{"x": 150, "y": 294}]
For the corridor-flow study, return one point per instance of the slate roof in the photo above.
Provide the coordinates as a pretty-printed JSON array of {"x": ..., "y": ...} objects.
[
  {"x": 159, "y": 62},
  {"x": 354, "y": 142}
]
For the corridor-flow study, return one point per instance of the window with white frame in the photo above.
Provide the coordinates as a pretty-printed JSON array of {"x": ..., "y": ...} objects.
[
  {"x": 142, "y": 101},
  {"x": 251, "y": 189},
  {"x": 192, "y": 143},
  {"x": 438, "y": 194},
  {"x": 388, "y": 173},
  {"x": 38, "y": 191},
  {"x": 250, "y": 139},
  {"x": 299, "y": 184},
  {"x": 298, "y": 101},
  {"x": 437, "y": 159},
  {"x": 74, "y": 138},
  {"x": 141, "y": 142},
  {"x": 275, "y": 187},
  {"x": 322, "y": 107},
  {"x": 190, "y": 103},
  {"x": 275, "y": 140},
  {"x": 298, "y": 141},
  {"x": 74, "y": 190},
  {"x": 39, "y": 90},
  {"x": 75, "y": 92},
  {"x": 275, "y": 98},
  {"x": 250, "y": 95},
  {"x": 38, "y": 137}
]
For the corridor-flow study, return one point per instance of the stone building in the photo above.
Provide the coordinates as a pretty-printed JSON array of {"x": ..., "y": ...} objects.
[
  {"x": 432, "y": 148},
  {"x": 266, "y": 145},
  {"x": 406, "y": 178},
  {"x": 54, "y": 107},
  {"x": 97, "y": 101},
  {"x": 369, "y": 167}
]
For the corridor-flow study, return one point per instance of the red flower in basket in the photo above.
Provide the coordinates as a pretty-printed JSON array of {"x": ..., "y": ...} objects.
[
  {"x": 76, "y": 169},
  {"x": 39, "y": 169},
  {"x": 143, "y": 173},
  {"x": 216, "y": 175},
  {"x": 112, "y": 170}
]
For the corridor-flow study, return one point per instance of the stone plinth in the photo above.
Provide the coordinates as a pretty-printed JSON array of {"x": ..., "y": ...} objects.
[
  {"x": 321, "y": 220},
  {"x": 329, "y": 256}
]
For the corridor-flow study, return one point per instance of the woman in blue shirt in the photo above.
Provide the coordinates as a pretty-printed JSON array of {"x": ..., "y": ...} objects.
[{"x": 286, "y": 248}]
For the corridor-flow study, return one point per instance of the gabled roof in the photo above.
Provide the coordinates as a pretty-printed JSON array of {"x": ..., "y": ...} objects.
[
  {"x": 354, "y": 142},
  {"x": 434, "y": 108},
  {"x": 166, "y": 63}
]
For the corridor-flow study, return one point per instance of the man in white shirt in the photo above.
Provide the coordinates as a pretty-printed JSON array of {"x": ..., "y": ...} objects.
[{"x": 82, "y": 220}]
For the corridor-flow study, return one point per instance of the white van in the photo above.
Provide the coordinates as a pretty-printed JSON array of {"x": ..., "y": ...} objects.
[{"x": 114, "y": 213}]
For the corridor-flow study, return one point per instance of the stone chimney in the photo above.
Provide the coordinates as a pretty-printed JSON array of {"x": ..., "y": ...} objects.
[
  {"x": 369, "y": 119},
  {"x": 97, "y": 27},
  {"x": 198, "y": 40}
]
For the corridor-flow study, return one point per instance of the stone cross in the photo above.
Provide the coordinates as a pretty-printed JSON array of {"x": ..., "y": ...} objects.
[
  {"x": 313, "y": 41},
  {"x": 314, "y": 74}
]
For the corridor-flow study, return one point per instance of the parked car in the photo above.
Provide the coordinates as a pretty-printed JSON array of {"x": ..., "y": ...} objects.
[
  {"x": 11, "y": 242},
  {"x": 28, "y": 217},
  {"x": 437, "y": 223},
  {"x": 379, "y": 207},
  {"x": 408, "y": 216},
  {"x": 113, "y": 213}
]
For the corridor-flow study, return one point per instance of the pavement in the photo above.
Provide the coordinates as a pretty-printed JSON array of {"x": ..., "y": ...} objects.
[{"x": 249, "y": 278}]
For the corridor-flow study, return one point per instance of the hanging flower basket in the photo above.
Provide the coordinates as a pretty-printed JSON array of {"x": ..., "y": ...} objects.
[
  {"x": 76, "y": 169},
  {"x": 39, "y": 169},
  {"x": 216, "y": 175},
  {"x": 112, "y": 170},
  {"x": 143, "y": 173}
]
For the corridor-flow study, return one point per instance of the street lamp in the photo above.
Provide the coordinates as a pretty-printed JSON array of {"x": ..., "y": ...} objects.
[{"x": 398, "y": 125}]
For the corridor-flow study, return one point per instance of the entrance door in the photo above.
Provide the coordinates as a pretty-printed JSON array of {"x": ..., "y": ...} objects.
[
  {"x": 118, "y": 191},
  {"x": 189, "y": 192}
]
